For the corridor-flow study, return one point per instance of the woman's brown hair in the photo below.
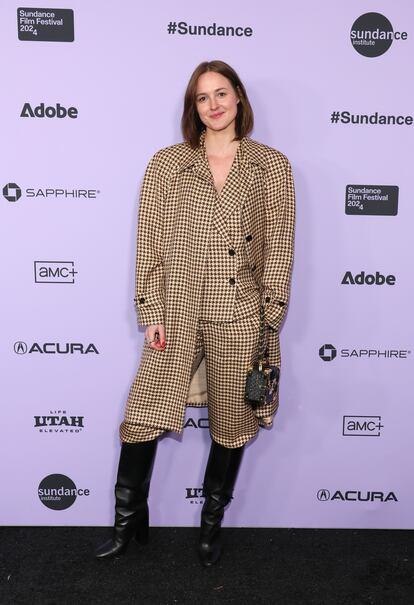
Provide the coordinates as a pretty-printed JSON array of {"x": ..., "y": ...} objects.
[{"x": 191, "y": 125}]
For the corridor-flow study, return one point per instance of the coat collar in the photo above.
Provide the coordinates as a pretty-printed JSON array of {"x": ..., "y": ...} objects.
[
  {"x": 247, "y": 160},
  {"x": 248, "y": 153}
]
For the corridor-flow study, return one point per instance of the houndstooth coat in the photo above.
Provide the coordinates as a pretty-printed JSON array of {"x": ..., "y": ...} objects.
[{"x": 178, "y": 206}]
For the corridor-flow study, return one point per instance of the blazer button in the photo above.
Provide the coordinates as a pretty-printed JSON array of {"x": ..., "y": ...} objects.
[
  {"x": 254, "y": 268},
  {"x": 232, "y": 281},
  {"x": 231, "y": 251},
  {"x": 249, "y": 238},
  {"x": 142, "y": 300},
  {"x": 267, "y": 299}
]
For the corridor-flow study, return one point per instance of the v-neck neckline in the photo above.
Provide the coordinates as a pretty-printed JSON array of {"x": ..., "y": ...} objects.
[{"x": 234, "y": 166}]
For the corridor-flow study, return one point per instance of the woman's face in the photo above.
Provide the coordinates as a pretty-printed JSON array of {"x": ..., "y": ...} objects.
[{"x": 216, "y": 101}]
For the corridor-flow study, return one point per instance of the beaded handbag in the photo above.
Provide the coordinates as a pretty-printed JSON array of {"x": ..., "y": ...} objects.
[{"x": 262, "y": 377}]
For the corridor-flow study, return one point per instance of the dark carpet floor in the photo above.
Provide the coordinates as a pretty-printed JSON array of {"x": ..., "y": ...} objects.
[{"x": 267, "y": 566}]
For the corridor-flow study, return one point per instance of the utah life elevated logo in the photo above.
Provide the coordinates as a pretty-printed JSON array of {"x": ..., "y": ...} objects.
[
  {"x": 59, "y": 421},
  {"x": 372, "y": 35},
  {"x": 194, "y": 495}
]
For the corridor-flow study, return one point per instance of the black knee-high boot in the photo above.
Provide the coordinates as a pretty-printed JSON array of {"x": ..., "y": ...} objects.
[
  {"x": 131, "y": 493},
  {"x": 220, "y": 476}
]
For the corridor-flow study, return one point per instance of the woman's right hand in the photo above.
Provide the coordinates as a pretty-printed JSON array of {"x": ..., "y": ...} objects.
[{"x": 156, "y": 334}]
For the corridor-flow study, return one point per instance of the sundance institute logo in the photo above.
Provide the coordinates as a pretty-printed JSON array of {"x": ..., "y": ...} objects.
[
  {"x": 59, "y": 492},
  {"x": 372, "y": 34}
]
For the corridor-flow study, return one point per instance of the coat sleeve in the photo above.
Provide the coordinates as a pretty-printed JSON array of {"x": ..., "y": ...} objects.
[
  {"x": 280, "y": 226},
  {"x": 149, "y": 273}
]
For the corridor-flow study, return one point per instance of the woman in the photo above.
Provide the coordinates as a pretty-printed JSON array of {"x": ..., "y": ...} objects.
[{"x": 215, "y": 241}]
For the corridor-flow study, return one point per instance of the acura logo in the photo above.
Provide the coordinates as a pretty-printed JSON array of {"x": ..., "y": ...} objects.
[
  {"x": 324, "y": 494},
  {"x": 20, "y": 347}
]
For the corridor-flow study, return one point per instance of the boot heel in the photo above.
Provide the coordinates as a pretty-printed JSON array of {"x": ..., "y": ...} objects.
[{"x": 142, "y": 535}]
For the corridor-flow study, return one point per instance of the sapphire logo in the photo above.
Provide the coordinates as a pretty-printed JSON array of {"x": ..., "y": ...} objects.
[
  {"x": 327, "y": 352},
  {"x": 12, "y": 192}
]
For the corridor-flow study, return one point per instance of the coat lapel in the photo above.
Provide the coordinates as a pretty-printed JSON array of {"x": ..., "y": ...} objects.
[
  {"x": 237, "y": 185},
  {"x": 233, "y": 195}
]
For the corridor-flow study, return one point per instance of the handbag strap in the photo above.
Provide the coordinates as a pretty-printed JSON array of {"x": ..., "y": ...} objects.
[{"x": 263, "y": 351}]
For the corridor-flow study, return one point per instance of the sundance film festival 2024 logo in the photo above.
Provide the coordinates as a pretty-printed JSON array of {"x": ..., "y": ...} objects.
[
  {"x": 45, "y": 24},
  {"x": 371, "y": 199},
  {"x": 372, "y": 35},
  {"x": 59, "y": 492},
  {"x": 329, "y": 352}
]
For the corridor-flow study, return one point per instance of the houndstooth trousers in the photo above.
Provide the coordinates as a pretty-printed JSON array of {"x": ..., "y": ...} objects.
[{"x": 232, "y": 422}]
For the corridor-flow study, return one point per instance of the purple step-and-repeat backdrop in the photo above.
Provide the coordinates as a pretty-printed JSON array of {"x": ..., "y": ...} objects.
[{"x": 90, "y": 92}]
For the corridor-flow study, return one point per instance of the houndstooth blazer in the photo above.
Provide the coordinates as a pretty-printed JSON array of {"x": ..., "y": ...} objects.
[{"x": 178, "y": 182}]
